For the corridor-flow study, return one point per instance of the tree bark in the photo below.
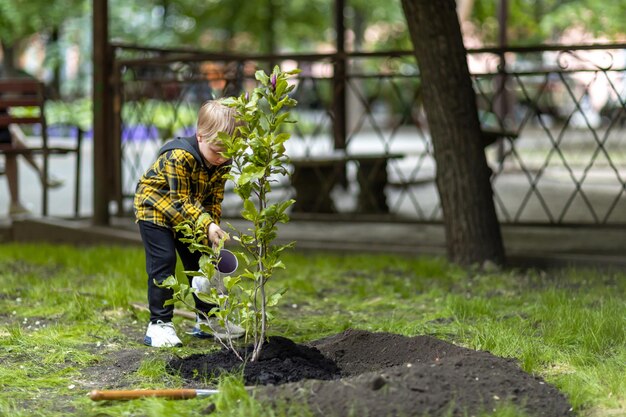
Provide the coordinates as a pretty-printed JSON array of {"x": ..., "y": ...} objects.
[
  {"x": 9, "y": 52},
  {"x": 463, "y": 176}
]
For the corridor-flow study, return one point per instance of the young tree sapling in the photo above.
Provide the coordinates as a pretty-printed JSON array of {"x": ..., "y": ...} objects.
[{"x": 257, "y": 150}]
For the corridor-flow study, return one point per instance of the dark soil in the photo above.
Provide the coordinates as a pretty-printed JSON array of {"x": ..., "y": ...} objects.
[
  {"x": 381, "y": 374},
  {"x": 281, "y": 361}
]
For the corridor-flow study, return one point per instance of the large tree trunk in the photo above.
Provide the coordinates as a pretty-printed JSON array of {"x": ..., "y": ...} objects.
[{"x": 463, "y": 177}]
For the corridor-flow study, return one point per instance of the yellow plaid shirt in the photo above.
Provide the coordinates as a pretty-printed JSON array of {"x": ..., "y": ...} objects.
[{"x": 177, "y": 187}]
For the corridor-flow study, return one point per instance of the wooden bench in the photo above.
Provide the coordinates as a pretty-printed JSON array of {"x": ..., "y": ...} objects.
[
  {"x": 491, "y": 136},
  {"x": 314, "y": 178},
  {"x": 28, "y": 95}
]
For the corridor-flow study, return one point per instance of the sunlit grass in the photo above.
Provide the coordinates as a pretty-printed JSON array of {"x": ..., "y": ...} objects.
[{"x": 65, "y": 309}]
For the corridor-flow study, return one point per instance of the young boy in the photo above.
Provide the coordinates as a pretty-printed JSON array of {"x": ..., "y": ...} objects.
[{"x": 186, "y": 180}]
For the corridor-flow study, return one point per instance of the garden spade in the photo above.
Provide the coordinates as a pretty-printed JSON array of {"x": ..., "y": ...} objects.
[{"x": 173, "y": 394}]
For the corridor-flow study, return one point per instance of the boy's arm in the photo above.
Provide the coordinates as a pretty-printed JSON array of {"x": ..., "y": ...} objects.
[
  {"x": 177, "y": 170},
  {"x": 213, "y": 203}
]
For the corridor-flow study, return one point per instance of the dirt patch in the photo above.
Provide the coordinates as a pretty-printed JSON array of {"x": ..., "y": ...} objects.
[
  {"x": 388, "y": 374},
  {"x": 21, "y": 268},
  {"x": 115, "y": 371},
  {"x": 281, "y": 361},
  {"x": 358, "y": 351},
  {"x": 380, "y": 374}
]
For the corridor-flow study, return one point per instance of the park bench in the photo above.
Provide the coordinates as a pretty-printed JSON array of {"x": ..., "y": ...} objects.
[
  {"x": 22, "y": 102},
  {"x": 314, "y": 177},
  {"x": 489, "y": 137}
]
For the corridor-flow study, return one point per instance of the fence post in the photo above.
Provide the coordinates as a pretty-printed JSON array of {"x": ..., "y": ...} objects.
[
  {"x": 117, "y": 191},
  {"x": 502, "y": 98},
  {"x": 339, "y": 85},
  {"x": 101, "y": 113}
]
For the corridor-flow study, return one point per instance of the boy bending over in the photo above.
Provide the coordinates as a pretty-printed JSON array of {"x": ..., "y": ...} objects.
[{"x": 185, "y": 181}]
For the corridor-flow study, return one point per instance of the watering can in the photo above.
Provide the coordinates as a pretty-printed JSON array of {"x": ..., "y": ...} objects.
[{"x": 227, "y": 264}]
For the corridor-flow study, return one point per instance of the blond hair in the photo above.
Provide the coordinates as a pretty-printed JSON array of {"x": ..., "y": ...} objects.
[{"x": 214, "y": 117}]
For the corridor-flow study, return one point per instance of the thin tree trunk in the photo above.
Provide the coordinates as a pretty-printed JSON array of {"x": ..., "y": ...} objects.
[
  {"x": 464, "y": 9},
  {"x": 9, "y": 52},
  {"x": 463, "y": 177},
  {"x": 56, "y": 72}
]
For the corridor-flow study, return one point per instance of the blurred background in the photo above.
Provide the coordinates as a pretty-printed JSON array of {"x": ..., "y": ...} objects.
[
  {"x": 549, "y": 77},
  {"x": 53, "y": 40}
]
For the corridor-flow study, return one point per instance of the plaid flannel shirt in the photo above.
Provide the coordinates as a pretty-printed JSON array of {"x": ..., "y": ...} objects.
[{"x": 177, "y": 187}]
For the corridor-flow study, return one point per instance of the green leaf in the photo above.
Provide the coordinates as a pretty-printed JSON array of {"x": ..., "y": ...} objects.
[
  {"x": 230, "y": 282},
  {"x": 248, "y": 275},
  {"x": 249, "y": 211},
  {"x": 274, "y": 298},
  {"x": 205, "y": 261},
  {"x": 250, "y": 173},
  {"x": 248, "y": 292},
  {"x": 186, "y": 240},
  {"x": 245, "y": 257},
  {"x": 281, "y": 118},
  {"x": 207, "y": 298},
  {"x": 202, "y": 218},
  {"x": 168, "y": 282},
  {"x": 281, "y": 86},
  {"x": 184, "y": 228},
  {"x": 185, "y": 291},
  {"x": 279, "y": 264},
  {"x": 282, "y": 137},
  {"x": 262, "y": 77},
  {"x": 281, "y": 248},
  {"x": 247, "y": 240}
]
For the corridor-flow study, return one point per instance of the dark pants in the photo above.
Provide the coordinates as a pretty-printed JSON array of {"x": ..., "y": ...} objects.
[{"x": 161, "y": 245}]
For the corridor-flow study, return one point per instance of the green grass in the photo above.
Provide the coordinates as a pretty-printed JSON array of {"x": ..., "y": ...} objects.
[{"x": 66, "y": 311}]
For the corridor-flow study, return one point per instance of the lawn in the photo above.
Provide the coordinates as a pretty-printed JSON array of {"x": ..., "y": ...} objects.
[{"x": 67, "y": 324}]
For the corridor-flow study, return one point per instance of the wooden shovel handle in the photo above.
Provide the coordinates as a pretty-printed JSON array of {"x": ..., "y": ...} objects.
[{"x": 174, "y": 394}]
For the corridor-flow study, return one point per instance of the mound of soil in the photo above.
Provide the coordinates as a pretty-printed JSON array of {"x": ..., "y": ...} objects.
[
  {"x": 378, "y": 374},
  {"x": 281, "y": 361}
]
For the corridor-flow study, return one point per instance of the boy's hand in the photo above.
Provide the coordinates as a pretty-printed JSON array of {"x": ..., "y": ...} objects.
[{"x": 216, "y": 234}]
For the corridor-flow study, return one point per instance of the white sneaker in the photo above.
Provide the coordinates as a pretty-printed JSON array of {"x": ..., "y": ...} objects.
[
  {"x": 161, "y": 334},
  {"x": 17, "y": 210},
  {"x": 53, "y": 182},
  {"x": 230, "y": 331}
]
